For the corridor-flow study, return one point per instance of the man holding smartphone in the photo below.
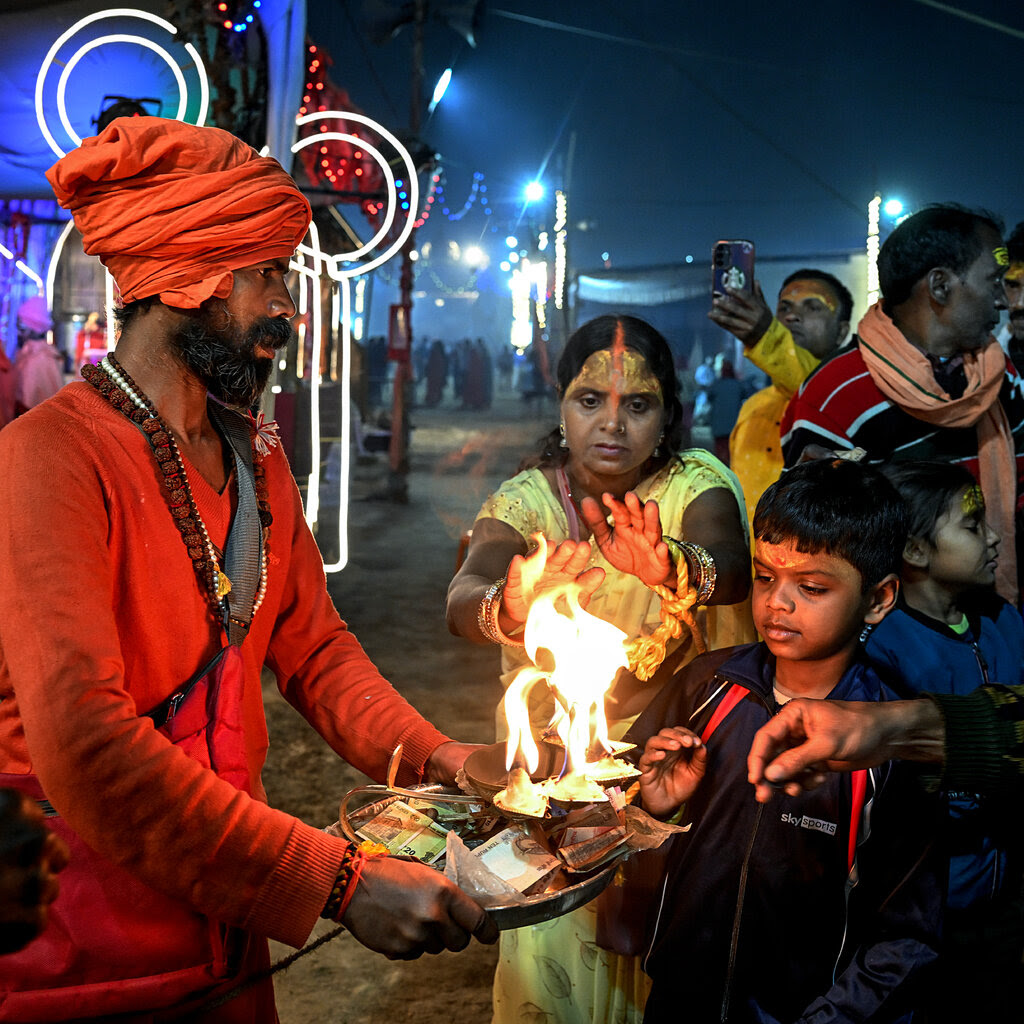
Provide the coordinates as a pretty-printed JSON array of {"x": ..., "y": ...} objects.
[{"x": 811, "y": 321}]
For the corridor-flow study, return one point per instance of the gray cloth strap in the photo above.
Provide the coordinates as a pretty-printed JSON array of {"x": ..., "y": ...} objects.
[{"x": 244, "y": 553}]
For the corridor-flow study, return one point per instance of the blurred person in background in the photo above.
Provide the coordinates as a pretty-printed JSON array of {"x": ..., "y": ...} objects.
[{"x": 38, "y": 366}]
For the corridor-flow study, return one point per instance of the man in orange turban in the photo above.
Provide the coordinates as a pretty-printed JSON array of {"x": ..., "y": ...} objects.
[
  {"x": 142, "y": 591},
  {"x": 171, "y": 209}
]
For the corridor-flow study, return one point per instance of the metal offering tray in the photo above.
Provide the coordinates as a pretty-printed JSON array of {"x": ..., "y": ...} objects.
[{"x": 473, "y": 817}]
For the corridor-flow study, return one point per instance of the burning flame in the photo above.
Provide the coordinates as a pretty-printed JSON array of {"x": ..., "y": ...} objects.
[{"x": 586, "y": 653}]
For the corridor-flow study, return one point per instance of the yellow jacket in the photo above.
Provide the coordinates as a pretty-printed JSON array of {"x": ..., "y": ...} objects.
[{"x": 755, "y": 452}]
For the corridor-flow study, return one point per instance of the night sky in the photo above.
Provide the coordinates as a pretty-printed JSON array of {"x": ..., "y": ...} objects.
[{"x": 770, "y": 121}]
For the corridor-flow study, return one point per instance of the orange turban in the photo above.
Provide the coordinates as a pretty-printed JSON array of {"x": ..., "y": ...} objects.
[{"x": 172, "y": 209}]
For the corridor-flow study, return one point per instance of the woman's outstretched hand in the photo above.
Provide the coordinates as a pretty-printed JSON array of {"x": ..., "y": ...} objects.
[
  {"x": 633, "y": 543},
  {"x": 560, "y": 565}
]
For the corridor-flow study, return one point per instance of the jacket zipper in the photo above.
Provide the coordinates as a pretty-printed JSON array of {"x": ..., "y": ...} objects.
[{"x": 734, "y": 939}]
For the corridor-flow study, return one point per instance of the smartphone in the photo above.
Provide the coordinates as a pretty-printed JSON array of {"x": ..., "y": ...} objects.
[{"x": 732, "y": 266}]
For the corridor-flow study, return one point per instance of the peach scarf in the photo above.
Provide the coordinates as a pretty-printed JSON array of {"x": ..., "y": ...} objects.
[{"x": 904, "y": 375}]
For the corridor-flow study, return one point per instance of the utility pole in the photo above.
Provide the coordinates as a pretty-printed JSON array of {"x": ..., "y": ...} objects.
[{"x": 400, "y": 347}]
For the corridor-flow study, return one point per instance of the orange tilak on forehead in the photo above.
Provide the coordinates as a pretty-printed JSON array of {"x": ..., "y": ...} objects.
[
  {"x": 798, "y": 291},
  {"x": 618, "y": 371},
  {"x": 781, "y": 556},
  {"x": 1015, "y": 271}
]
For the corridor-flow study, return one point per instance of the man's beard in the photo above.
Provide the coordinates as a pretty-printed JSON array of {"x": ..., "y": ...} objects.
[{"x": 224, "y": 358}]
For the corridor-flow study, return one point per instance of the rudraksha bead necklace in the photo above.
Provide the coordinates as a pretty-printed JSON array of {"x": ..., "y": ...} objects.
[{"x": 112, "y": 381}]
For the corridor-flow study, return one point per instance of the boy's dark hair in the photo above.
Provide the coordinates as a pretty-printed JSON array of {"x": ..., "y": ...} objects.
[
  {"x": 926, "y": 489},
  {"x": 943, "y": 235},
  {"x": 841, "y": 292},
  {"x": 839, "y": 507}
]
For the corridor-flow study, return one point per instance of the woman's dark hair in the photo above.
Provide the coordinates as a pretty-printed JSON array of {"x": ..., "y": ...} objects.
[
  {"x": 839, "y": 507},
  {"x": 601, "y": 333},
  {"x": 926, "y": 488}
]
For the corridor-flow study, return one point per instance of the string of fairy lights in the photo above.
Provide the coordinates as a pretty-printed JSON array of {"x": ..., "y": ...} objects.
[
  {"x": 534, "y": 277},
  {"x": 244, "y": 15}
]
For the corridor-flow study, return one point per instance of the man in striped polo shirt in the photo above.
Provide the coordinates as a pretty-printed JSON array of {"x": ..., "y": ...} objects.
[{"x": 924, "y": 377}]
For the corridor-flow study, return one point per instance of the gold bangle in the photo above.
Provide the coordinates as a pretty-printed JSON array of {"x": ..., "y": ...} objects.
[
  {"x": 488, "y": 612},
  {"x": 701, "y": 571}
]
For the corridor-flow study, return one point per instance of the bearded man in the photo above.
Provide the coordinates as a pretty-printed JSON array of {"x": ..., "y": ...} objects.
[{"x": 153, "y": 558}]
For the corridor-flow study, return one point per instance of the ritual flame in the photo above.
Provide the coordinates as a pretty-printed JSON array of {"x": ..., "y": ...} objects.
[{"x": 584, "y": 653}]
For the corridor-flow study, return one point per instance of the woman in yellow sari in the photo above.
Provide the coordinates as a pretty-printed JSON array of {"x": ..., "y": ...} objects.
[{"x": 609, "y": 486}]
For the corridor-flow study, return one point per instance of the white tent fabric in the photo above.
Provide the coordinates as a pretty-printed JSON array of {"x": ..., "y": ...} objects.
[{"x": 644, "y": 286}]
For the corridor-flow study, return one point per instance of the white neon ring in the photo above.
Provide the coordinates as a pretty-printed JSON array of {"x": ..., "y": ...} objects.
[
  {"x": 148, "y": 44},
  {"x": 119, "y": 12},
  {"x": 351, "y": 257},
  {"x": 411, "y": 175}
]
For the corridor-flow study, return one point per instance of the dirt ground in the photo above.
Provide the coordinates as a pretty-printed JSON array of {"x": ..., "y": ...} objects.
[{"x": 392, "y": 595}]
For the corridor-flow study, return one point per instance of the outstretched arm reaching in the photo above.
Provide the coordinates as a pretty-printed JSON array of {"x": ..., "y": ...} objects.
[{"x": 809, "y": 737}]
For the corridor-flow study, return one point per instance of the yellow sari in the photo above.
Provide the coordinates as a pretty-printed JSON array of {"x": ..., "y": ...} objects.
[{"x": 555, "y": 971}]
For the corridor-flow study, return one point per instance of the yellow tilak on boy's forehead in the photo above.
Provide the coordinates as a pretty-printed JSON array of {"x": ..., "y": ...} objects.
[
  {"x": 797, "y": 291},
  {"x": 1015, "y": 270},
  {"x": 619, "y": 371},
  {"x": 973, "y": 501},
  {"x": 1002, "y": 257}
]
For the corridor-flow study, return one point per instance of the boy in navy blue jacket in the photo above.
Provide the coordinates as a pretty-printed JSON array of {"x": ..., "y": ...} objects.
[
  {"x": 951, "y": 633},
  {"x": 813, "y": 908}
]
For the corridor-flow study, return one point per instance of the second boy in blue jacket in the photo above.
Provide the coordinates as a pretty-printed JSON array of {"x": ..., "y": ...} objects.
[{"x": 951, "y": 633}]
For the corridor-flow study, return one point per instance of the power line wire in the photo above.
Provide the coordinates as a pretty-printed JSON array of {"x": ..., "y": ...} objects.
[
  {"x": 669, "y": 53},
  {"x": 958, "y": 12}
]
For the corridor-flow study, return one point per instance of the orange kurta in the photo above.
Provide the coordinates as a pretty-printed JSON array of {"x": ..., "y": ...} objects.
[{"x": 101, "y": 618}]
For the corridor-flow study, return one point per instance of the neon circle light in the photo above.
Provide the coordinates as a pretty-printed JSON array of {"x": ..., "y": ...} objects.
[
  {"x": 355, "y": 268},
  {"x": 50, "y": 59}
]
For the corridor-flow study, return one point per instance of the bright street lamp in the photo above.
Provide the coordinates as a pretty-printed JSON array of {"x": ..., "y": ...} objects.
[
  {"x": 534, "y": 191},
  {"x": 439, "y": 89}
]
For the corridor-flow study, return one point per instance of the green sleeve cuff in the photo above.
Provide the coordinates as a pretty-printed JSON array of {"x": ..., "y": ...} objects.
[{"x": 984, "y": 741}]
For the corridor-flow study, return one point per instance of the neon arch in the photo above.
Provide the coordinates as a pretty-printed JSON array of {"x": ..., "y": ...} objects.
[
  {"x": 340, "y": 269},
  {"x": 121, "y": 12}
]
